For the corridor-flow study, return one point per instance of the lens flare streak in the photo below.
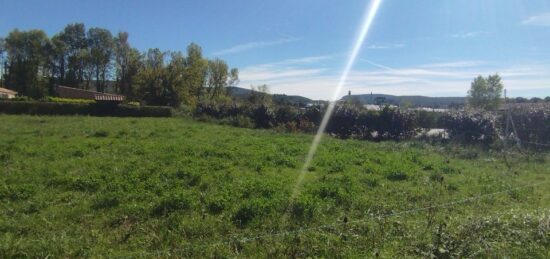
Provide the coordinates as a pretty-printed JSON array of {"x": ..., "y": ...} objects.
[{"x": 369, "y": 18}]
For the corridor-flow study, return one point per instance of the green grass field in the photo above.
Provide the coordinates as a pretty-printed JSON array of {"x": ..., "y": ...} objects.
[{"x": 124, "y": 187}]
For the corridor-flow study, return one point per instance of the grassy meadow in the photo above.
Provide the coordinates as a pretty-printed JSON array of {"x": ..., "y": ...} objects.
[{"x": 173, "y": 187}]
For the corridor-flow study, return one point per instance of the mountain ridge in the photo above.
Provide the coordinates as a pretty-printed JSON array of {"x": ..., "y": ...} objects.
[{"x": 412, "y": 100}]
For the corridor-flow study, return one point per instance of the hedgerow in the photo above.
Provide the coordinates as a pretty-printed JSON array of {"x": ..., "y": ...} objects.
[{"x": 95, "y": 109}]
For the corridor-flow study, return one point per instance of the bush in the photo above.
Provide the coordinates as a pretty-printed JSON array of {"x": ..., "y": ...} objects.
[
  {"x": 469, "y": 128},
  {"x": 66, "y": 100},
  {"x": 242, "y": 121},
  {"x": 428, "y": 119},
  {"x": 344, "y": 121},
  {"x": 395, "y": 124},
  {"x": 532, "y": 125},
  {"x": 263, "y": 117},
  {"x": 285, "y": 114},
  {"x": 219, "y": 110},
  {"x": 314, "y": 114}
]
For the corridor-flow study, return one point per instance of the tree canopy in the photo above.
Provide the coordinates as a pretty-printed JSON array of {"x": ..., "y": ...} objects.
[
  {"x": 485, "y": 93},
  {"x": 93, "y": 58}
]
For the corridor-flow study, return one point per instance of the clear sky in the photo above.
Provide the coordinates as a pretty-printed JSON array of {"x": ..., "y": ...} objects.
[{"x": 420, "y": 47}]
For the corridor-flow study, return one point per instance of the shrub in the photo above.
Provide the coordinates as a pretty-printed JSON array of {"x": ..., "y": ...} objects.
[
  {"x": 343, "y": 122},
  {"x": 67, "y": 100},
  {"x": 314, "y": 114},
  {"x": 285, "y": 114},
  {"x": 263, "y": 116},
  {"x": 242, "y": 121},
  {"x": 427, "y": 119},
  {"x": 468, "y": 127},
  {"x": 395, "y": 124},
  {"x": 532, "y": 125},
  {"x": 219, "y": 110},
  {"x": 291, "y": 127}
]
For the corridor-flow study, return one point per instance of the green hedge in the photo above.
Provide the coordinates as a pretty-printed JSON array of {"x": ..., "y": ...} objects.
[
  {"x": 67, "y": 100},
  {"x": 94, "y": 109}
]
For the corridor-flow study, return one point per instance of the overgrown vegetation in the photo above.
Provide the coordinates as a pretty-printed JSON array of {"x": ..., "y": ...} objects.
[
  {"x": 172, "y": 187},
  {"x": 355, "y": 121}
]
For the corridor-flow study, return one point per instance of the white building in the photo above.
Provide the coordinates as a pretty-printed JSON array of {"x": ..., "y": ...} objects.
[{"x": 7, "y": 93}]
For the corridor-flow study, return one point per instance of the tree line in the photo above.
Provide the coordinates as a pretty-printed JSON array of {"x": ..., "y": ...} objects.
[{"x": 33, "y": 64}]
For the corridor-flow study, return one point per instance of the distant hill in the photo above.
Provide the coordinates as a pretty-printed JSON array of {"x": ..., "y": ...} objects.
[
  {"x": 416, "y": 101},
  {"x": 243, "y": 93}
]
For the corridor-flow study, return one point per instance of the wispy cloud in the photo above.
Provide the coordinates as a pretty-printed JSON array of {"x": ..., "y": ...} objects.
[
  {"x": 253, "y": 45},
  {"x": 538, "y": 20},
  {"x": 454, "y": 64},
  {"x": 377, "y": 64},
  {"x": 305, "y": 60},
  {"x": 465, "y": 35},
  {"x": 386, "y": 46},
  {"x": 450, "y": 78},
  {"x": 284, "y": 70}
]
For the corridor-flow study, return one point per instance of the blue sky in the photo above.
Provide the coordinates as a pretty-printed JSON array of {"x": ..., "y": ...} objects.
[{"x": 423, "y": 47}]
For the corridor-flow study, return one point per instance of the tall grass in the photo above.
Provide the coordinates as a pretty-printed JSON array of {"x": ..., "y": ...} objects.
[{"x": 127, "y": 187}]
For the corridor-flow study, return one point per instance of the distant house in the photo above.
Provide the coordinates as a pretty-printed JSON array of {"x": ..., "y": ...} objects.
[
  {"x": 75, "y": 93},
  {"x": 7, "y": 93}
]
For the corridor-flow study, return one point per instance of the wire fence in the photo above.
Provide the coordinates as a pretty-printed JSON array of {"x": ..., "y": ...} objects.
[
  {"x": 247, "y": 239},
  {"x": 242, "y": 239}
]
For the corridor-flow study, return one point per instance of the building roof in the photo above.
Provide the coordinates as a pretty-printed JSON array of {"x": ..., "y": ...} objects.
[
  {"x": 8, "y": 91},
  {"x": 75, "y": 93}
]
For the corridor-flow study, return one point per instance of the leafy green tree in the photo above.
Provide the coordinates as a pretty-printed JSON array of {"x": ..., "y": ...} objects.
[
  {"x": 233, "y": 77},
  {"x": 75, "y": 57},
  {"x": 196, "y": 69},
  {"x": 174, "y": 83},
  {"x": 219, "y": 77},
  {"x": 150, "y": 77},
  {"x": 128, "y": 61},
  {"x": 100, "y": 43},
  {"x": 260, "y": 96},
  {"x": 485, "y": 93},
  {"x": 76, "y": 46},
  {"x": 58, "y": 60},
  {"x": 27, "y": 60}
]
